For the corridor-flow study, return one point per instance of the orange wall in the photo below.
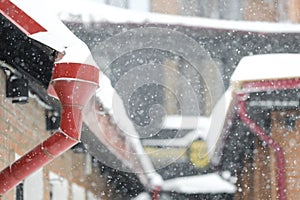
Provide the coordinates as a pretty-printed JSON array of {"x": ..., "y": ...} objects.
[
  {"x": 165, "y": 6},
  {"x": 294, "y": 10}
]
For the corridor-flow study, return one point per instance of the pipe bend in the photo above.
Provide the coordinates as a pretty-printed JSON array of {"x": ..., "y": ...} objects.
[
  {"x": 281, "y": 174},
  {"x": 73, "y": 95}
]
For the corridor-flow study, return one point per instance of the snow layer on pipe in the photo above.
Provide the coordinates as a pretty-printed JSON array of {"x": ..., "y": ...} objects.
[{"x": 208, "y": 183}]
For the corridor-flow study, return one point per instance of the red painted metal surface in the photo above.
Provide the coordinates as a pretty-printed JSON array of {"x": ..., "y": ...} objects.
[
  {"x": 268, "y": 85},
  {"x": 74, "y": 93},
  {"x": 265, "y": 85},
  {"x": 155, "y": 193},
  {"x": 281, "y": 175},
  {"x": 76, "y": 70},
  {"x": 17, "y": 16}
]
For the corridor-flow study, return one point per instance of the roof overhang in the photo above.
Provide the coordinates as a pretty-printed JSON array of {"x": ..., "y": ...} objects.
[{"x": 267, "y": 67}]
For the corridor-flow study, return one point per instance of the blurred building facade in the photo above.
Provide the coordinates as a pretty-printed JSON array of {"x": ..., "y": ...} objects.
[
  {"x": 252, "y": 10},
  {"x": 249, "y": 10}
]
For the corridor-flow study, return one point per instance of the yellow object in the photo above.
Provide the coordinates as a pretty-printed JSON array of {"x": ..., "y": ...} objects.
[{"x": 198, "y": 154}]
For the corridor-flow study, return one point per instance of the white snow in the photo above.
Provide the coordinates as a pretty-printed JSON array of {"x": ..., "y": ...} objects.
[
  {"x": 220, "y": 116},
  {"x": 207, "y": 183},
  {"x": 91, "y": 11},
  {"x": 199, "y": 127},
  {"x": 143, "y": 196},
  {"x": 57, "y": 36},
  {"x": 267, "y": 66},
  {"x": 185, "y": 122}
]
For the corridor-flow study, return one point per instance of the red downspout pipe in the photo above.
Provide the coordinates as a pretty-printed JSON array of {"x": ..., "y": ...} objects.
[
  {"x": 281, "y": 176},
  {"x": 155, "y": 193},
  {"x": 259, "y": 86},
  {"x": 74, "y": 85}
]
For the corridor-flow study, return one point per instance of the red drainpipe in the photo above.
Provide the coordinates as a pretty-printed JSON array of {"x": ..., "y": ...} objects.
[
  {"x": 242, "y": 112},
  {"x": 155, "y": 193},
  {"x": 259, "y": 86},
  {"x": 74, "y": 85}
]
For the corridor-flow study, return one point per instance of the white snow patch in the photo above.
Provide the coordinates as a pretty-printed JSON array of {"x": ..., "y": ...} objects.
[
  {"x": 207, "y": 183},
  {"x": 143, "y": 196},
  {"x": 267, "y": 66},
  {"x": 199, "y": 127},
  {"x": 91, "y": 11},
  {"x": 57, "y": 36},
  {"x": 185, "y": 122},
  {"x": 219, "y": 119}
]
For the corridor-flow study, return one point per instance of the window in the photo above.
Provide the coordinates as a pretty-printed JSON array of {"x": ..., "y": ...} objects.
[
  {"x": 139, "y": 5},
  {"x": 78, "y": 192},
  {"x": 20, "y": 191},
  {"x": 118, "y": 3},
  {"x": 59, "y": 187},
  {"x": 91, "y": 196},
  {"x": 34, "y": 186}
]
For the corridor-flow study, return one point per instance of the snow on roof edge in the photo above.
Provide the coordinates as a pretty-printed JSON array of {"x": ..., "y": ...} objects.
[
  {"x": 219, "y": 124},
  {"x": 92, "y": 12},
  {"x": 57, "y": 36},
  {"x": 269, "y": 66}
]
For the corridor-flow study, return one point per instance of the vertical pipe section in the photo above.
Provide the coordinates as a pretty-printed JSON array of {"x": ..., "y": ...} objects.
[
  {"x": 74, "y": 85},
  {"x": 280, "y": 160},
  {"x": 155, "y": 193}
]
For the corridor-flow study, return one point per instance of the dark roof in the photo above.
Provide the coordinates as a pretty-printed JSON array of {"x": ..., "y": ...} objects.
[{"x": 28, "y": 58}]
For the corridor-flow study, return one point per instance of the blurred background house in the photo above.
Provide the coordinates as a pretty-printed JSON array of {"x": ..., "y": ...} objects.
[
  {"x": 222, "y": 50},
  {"x": 252, "y": 10},
  {"x": 220, "y": 45}
]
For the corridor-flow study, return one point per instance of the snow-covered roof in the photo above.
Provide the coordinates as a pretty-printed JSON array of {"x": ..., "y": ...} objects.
[
  {"x": 267, "y": 66},
  {"x": 208, "y": 183},
  {"x": 220, "y": 116},
  {"x": 113, "y": 103},
  {"x": 91, "y": 11},
  {"x": 250, "y": 68},
  {"x": 198, "y": 125},
  {"x": 57, "y": 35}
]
